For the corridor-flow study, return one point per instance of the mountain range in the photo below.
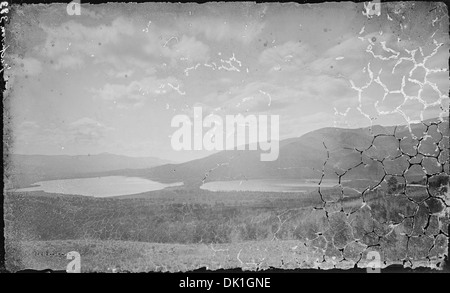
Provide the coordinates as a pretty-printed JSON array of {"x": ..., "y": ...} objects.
[
  {"x": 363, "y": 153},
  {"x": 357, "y": 154},
  {"x": 26, "y": 169}
]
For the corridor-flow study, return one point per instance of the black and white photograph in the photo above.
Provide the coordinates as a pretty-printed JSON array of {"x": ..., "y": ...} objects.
[{"x": 173, "y": 137}]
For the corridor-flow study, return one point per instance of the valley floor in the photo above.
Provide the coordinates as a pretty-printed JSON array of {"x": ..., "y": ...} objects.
[{"x": 188, "y": 230}]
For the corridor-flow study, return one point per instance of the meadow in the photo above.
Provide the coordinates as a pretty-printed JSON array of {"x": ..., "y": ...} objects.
[{"x": 327, "y": 225}]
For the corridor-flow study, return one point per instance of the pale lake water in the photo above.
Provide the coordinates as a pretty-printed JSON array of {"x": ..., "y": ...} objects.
[
  {"x": 270, "y": 185},
  {"x": 99, "y": 186}
]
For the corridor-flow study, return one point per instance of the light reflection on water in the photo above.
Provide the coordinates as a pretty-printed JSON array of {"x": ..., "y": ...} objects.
[
  {"x": 270, "y": 185},
  {"x": 99, "y": 186}
]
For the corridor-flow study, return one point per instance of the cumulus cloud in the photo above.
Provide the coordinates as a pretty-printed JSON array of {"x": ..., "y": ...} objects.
[
  {"x": 70, "y": 43},
  {"x": 68, "y": 61},
  {"x": 26, "y": 129},
  {"x": 81, "y": 36},
  {"x": 391, "y": 61},
  {"x": 86, "y": 131},
  {"x": 82, "y": 132},
  {"x": 218, "y": 29},
  {"x": 288, "y": 56},
  {"x": 254, "y": 97},
  {"x": 23, "y": 66},
  {"x": 122, "y": 44},
  {"x": 128, "y": 64},
  {"x": 187, "y": 48},
  {"x": 135, "y": 93}
]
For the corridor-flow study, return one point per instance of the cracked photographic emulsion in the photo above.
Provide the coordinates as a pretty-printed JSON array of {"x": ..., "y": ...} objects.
[{"x": 172, "y": 137}]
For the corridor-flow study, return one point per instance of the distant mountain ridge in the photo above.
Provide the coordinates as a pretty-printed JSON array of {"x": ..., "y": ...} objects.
[
  {"x": 25, "y": 168},
  {"x": 328, "y": 151}
]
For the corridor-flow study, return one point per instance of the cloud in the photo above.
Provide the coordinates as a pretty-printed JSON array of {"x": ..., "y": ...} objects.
[
  {"x": 351, "y": 58},
  {"x": 84, "y": 38},
  {"x": 325, "y": 87},
  {"x": 254, "y": 97},
  {"x": 71, "y": 43},
  {"x": 25, "y": 129},
  {"x": 288, "y": 56},
  {"x": 119, "y": 74},
  {"x": 93, "y": 13},
  {"x": 304, "y": 90},
  {"x": 122, "y": 44},
  {"x": 80, "y": 133},
  {"x": 28, "y": 125},
  {"x": 23, "y": 66},
  {"x": 68, "y": 61},
  {"x": 86, "y": 131},
  {"x": 188, "y": 49},
  {"x": 136, "y": 93},
  {"x": 81, "y": 34},
  {"x": 218, "y": 29}
]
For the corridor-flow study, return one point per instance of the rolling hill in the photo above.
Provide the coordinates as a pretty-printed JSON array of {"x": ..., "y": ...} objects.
[
  {"x": 331, "y": 151},
  {"x": 357, "y": 154}
]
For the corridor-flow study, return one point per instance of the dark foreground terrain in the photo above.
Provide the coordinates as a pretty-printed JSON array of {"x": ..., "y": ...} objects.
[{"x": 180, "y": 229}]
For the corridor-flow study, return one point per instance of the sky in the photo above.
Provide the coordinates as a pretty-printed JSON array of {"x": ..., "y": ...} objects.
[{"x": 112, "y": 78}]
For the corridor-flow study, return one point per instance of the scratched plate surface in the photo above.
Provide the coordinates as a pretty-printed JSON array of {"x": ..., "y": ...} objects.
[{"x": 341, "y": 153}]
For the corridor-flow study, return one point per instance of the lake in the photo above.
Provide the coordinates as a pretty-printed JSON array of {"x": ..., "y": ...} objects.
[
  {"x": 99, "y": 186},
  {"x": 270, "y": 185}
]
